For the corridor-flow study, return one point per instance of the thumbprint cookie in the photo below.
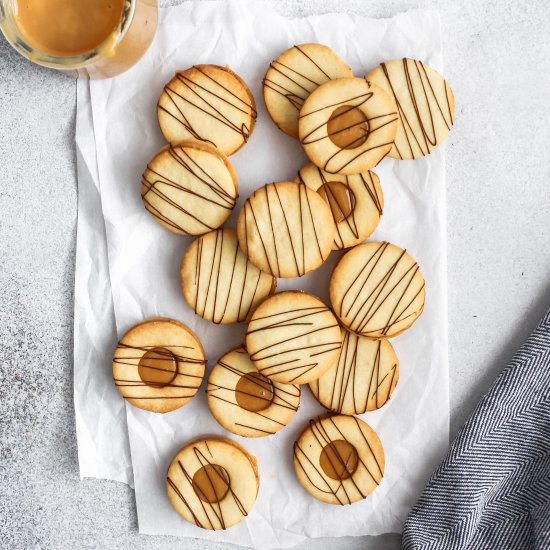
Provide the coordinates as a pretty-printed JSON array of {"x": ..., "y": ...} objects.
[
  {"x": 213, "y": 482},
  {"x": 338, "y": 459},
  {"x": 246, "y": 402},
  {"x": 356, "y": 202},
  {"x": 347, "y": 126},
  {"x": 158, "y": 365}
]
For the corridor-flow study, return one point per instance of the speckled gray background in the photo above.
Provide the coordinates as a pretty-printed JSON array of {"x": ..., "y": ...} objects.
[{"x": 497, "y": 56}]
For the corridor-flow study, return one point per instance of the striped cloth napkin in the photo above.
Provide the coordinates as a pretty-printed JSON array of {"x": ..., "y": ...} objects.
[{"x": 492, "y": 491}]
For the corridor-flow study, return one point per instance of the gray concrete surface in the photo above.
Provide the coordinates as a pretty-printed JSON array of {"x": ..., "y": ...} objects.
[{"x": 498, "y": 178}]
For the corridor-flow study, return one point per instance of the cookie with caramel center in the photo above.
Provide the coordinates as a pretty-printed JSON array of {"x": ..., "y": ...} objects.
[
  {"x": 213, "y": 483},
  {"x": 338, "y": 459},
  {"x": 246, "y": 402}
]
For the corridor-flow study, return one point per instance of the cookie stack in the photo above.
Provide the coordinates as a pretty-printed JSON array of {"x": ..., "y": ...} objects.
[{"x": 346, "y": 126}]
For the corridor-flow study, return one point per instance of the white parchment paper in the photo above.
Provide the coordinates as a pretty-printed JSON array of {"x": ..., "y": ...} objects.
[{"x": 143, "y": 270}]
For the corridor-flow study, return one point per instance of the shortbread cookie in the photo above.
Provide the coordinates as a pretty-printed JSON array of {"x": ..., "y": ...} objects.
[
  {"x": 246, "y": 402},
  {"x": 293, "y": 337},
  {"x": 347, "y": 126},
  {"x": 338, "y": 459},
  {"x": 189, "y": 188},
  {"x": 219, "y": 282},
  {"x": 425, "y": 104},
  {"x": 377, "y": 290},
  {"x": 209, "y": 103},
  {"x": 286, "y": 229},
  {"x": 213, "y": 482},
  {"x": 158, "y": 365},
  {"x": 363, "y": 379},
  {"x": 356, "y": 202},
  {"x": 293, "y": 76}
]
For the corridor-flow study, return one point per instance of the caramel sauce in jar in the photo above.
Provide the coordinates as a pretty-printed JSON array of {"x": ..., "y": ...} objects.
[{"x": 92, "y": 38}]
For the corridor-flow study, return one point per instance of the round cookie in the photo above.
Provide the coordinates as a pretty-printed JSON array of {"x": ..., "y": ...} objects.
[
  {"x": 363, "y": 379},
  {"x": 377, "y": 290},
  {"x": 425, "y": 104},
  {"x": 347, "y": 126},
  {"x": 158, "y": 365},
  {"x": 286, "y": 229},
  {"x": 293, "y": 76},
  {"x": 209, "y": 103},
  {"x": 293, "y": 337},
  {"x": 244, "y": 401},
  {"x": 213, "y": 482},
  {"x": 189, "y": 188},
  {"x": 356, "y": 202},
  {"x": 219, "y": 282},
  {"x": 338, "y": 459}
]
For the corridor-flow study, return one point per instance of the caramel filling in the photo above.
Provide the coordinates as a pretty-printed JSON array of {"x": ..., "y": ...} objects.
[
  {"x": 157, "y": 367},
  {"x": 211, "y": 483},
  {"x": 348, "y": 127},
  {"x": 67, "y": 27},
  {"x": 254, "y": 392},
  {"x": 339, "y": 459},
  {"x": 340, "y": 199}
]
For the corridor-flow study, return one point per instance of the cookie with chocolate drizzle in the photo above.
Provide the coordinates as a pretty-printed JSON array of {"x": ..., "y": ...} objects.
[
  {"x": 347, "y": 126},
  {"x": 213, "y": 482},
  {"x": 293, "y": 76},
  {"x": 158, "y": 365},
  {"x": 377, "y": 290},
  {"x": 189, "y": 188},
  {"x": 209, "y": 103},
  {"x": 246, "y": 402},
  {"x": 356, "y": 202},
  {"x": 363, "y": 379},
  {"x": 219, "y": 282},
  {"x": 425, "y": 105},
  {"x": 293, "y": 337},
  {"x": 338, "y": 459},
  {"x": 286, "y": 229}
]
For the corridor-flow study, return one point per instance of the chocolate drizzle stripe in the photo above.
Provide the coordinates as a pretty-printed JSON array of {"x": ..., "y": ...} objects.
[
  {"x": 202, "y": 186},
  {"x": 294, "y": 230},
  {"x": 198, "y": 96},
  {"x": 426, "y": 139},
  {"x": 372, "y": 190}
]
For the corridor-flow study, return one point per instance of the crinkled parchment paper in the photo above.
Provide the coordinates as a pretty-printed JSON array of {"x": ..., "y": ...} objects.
[{"x": 128, "y": 269}]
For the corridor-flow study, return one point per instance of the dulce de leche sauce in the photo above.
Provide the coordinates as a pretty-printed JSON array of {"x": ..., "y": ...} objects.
[
  {"x": 67, "y": 27},
  {"x": 111, "y": 35}
]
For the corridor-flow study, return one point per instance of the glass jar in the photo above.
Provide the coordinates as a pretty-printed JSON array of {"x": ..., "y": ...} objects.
[{"x": 122, "y": 48}]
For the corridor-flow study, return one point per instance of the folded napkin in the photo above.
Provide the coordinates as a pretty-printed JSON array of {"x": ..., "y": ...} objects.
[{"x": 492, "y": 491}]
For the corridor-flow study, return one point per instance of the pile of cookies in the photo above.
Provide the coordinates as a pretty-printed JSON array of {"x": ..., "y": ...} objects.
[{"x": 346, "y": 126}]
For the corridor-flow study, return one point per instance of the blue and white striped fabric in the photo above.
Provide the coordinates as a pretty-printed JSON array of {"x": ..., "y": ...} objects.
[{"x": 492, "y": 491}]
